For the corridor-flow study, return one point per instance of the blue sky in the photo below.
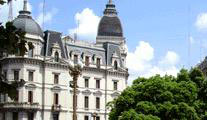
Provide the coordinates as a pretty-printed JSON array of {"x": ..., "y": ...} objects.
[{"x": 178, "y": 27}]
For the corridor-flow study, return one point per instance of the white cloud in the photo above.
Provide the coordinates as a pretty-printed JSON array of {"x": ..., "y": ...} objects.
[
  {"x": 17, "y": 6},
  {"x": 48, "y": 16},
  {"x": 139, "y": 59},
  {"x": 141, "y": 62},
  {"x": 87, "y": 24},
  {"x": 201, "y": 22},
  {"x": 171, "y": 58}
]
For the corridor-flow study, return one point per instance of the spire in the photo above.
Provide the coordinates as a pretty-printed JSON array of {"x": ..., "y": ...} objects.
[
  {"x": 10, "y": 17},
  {"x": 110, "y": 2},
  {"x": 25, "y": 10},
  {"x": 110, "y": 9},
  {"x": 25, "y": 5}
]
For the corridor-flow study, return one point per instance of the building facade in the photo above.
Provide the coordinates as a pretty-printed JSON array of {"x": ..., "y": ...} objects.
[
  {"x": 203, "y": 66},
  {"x": 47, "y": 94}
]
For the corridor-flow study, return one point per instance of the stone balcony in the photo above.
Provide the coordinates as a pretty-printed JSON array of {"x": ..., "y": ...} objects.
[
  {"x": 56, "y": 108},
  {"x": 16, "y": 107}
]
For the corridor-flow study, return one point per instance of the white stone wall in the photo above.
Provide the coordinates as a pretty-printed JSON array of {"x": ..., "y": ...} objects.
[{"x": 65, "y": 94}]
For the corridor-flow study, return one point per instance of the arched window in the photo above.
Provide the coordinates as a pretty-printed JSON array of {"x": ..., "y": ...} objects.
[
  {"x": 115, "y": 65},
  {"x": 56, "y": 56}
]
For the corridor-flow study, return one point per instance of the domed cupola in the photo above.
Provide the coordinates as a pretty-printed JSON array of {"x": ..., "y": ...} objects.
[
  {"x": 110, "y": 24},
  {"x": 25, "y": 22}
]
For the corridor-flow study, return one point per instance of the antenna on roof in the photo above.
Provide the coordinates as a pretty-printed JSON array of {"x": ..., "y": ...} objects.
[
  {"x": 75, "y": 37},
  {"x": 189, "y": 38},
  {"x": 43, "y": 17},
  {"x": 76, "y": 32},
  {"x": 10, "y": 16}
]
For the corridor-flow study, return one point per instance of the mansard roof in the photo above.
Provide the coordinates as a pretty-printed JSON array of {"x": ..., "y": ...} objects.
[{"x": 51, "y": 38}]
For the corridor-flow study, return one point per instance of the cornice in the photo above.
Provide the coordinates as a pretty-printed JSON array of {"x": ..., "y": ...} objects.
[
  {"x": 62, "y": 65},
  {"x": 109, "y": 72},
  {"x": 32, "y": 61}
]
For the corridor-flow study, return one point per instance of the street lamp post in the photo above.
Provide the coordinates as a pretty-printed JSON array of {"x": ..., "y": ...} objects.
[{"x": 75, "y": 71}]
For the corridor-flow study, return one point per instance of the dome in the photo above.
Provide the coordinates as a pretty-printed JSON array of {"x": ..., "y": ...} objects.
[
  {"x": 25, "y": 22},
  {"x": 110, "y": 24},
  {"x": 28, "y": 25}
]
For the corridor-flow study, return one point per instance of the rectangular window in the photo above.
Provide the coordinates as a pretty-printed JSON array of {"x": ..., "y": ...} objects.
[
  {"x": 98, "y": 62},
  {"x": 55, "y": 116},
  {"x": 5, "y": 74},
  {"x": 17, "y": 97},
  {"x": 16, "y": 75},
  {"x": 115, "y": 85},
  {"x": 4, "y": 116},
  {"x": 30, "y": 96},
  {"x": 30, "y": 116},
  {"x": 97, "y": 118},
  {"x": 15, "y": 116},
  {"x": 56, "y": 102},
  {"x": 86, "y": 83},
  {"x": 86, "y": 117},
  {"x": 31, "y": 76},
  {"x": 86, "y": 103},
  {"x": 75, "y": 59},
  {"x": 87, "y": 61},
  {"x": 97, "y": 103},
  {"x": 98, "y": 84},
  {"x": 56, "y": 78}
]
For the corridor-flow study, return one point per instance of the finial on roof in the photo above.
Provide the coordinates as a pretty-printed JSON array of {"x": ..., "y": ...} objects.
[
  {"x": 25, "y": 5},
  {"x": 110, "y": 8},
  {"x": 110, "y": 1},
  {"x": 25, "y": 10}
]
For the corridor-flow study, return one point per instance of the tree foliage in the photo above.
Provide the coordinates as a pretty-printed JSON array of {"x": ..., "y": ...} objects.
[
  {"x": 12, "y": 41},
  {"x": 165, "y": 98},
  {"x": 3, "y": 2}
]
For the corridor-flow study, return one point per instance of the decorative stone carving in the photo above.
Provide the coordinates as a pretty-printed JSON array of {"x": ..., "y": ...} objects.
[
  {"x": 30, "y": 86},
  {"x": 56, "y": 89},
  {"x": 78, "y": 91},
  {"x": 115, "y": 94},
  {"x": 98, "y": 93},
  {"x": 86, "y": 92}
]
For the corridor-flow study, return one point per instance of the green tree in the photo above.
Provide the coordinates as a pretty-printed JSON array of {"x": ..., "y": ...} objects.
[
  {"x": 2, "y": 1},
  {"x": 12, "y": 42},
  {"x": 165, "y": 98}
]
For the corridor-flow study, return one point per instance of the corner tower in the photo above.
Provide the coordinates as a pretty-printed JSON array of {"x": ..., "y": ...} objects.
[
  {"x": 110, "y": 28},
  {"x": 25, "y": 22},
  {"x": 34, "y": 33}
]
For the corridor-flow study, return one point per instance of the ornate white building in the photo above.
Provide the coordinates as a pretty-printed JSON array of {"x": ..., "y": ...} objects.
[{"x": 47, "y": 94}]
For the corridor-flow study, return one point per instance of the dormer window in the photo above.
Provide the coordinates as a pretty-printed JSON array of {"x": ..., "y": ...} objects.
[
  {"x": 87, "y": 61},
  {"x": 98, "y": 62},
  {"x": 115, "y": 65},
  {"x": 75, "y": 59},
  {"x": 56, "y": 56}
]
